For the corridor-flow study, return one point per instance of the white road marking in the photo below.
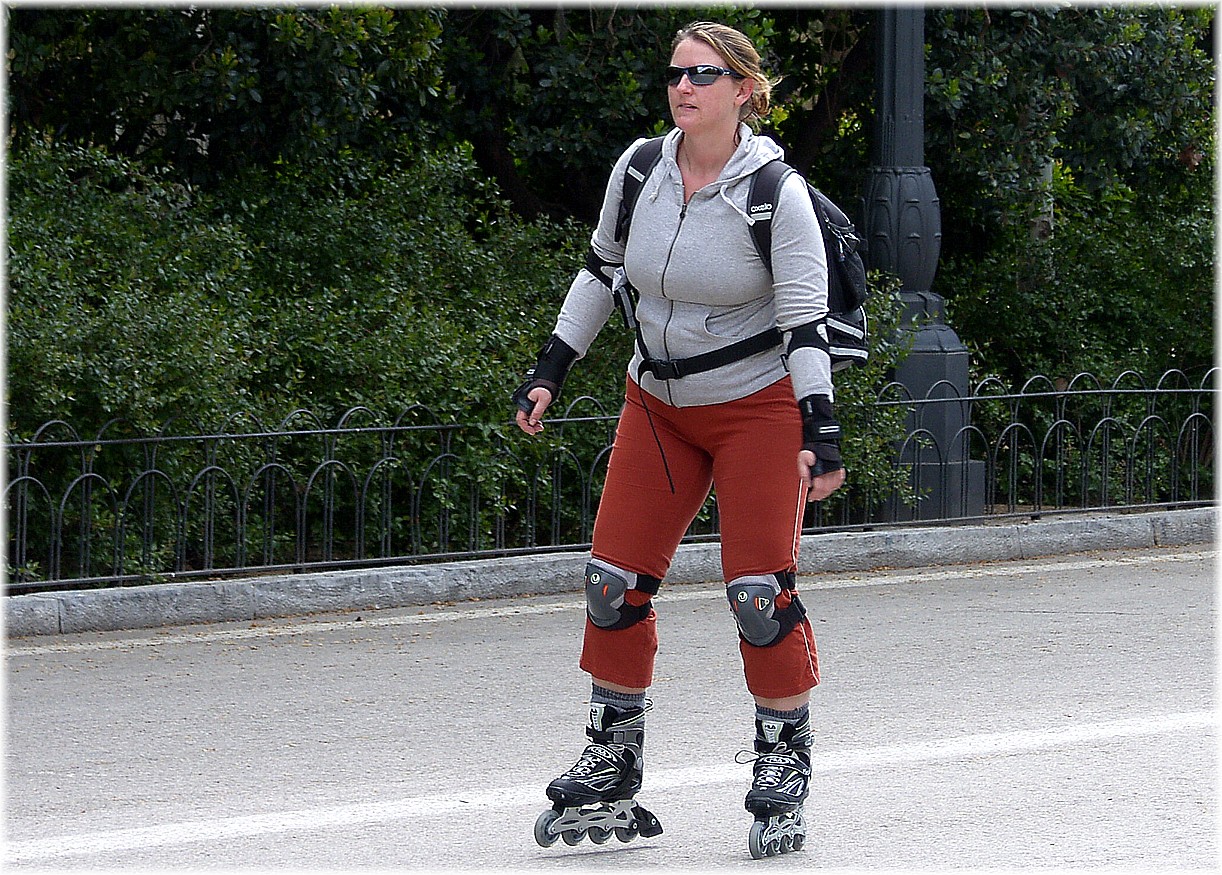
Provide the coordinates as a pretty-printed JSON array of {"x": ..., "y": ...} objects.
[
  {"x": 983, "y": 745},
  {"x": 808, "y": 583}
]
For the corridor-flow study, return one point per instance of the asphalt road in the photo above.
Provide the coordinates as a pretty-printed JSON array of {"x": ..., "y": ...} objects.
[{"x": 1052, "y": 713}]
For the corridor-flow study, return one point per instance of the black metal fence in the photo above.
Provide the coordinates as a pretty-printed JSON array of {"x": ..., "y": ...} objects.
[{"x": 118, "y": 508}]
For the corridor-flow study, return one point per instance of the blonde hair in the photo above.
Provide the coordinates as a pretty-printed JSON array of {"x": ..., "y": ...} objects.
[{"x": 740, "y": 55}]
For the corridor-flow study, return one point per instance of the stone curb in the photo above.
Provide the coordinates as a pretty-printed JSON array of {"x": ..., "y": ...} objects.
[{"x": 179, "y": 604}]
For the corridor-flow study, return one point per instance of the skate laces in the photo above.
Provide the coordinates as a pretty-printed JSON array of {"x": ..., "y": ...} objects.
[
  {"x": 770, "y": 768},
  {"x": 595, "y": 758}
]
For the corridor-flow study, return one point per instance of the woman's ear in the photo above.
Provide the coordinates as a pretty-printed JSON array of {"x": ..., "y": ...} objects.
[
  {"x": 746, "y": 88},
  {"x": 743, "y": 99}
]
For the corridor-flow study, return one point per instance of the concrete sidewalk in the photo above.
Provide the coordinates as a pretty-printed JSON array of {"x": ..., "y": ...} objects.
[{"x": 179, "y": 604}]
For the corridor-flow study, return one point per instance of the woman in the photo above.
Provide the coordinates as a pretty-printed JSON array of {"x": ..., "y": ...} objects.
[{"x": 759, "y": 427}]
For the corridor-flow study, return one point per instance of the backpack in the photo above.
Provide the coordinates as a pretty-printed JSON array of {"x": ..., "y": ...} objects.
[{"x": 848, "y": 335}]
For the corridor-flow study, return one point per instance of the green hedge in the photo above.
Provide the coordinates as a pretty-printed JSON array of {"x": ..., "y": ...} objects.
[
  {"x": 138, "y": 298},
  {"x": 1124, "y": 281},
  {"x": 125, "y": 299}
]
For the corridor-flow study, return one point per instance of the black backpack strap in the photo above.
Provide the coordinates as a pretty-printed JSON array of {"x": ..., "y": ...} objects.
[
  {"x": 640, "y": 165},
  {"x": 674, "y": 369},
  {"x": 846, "y": 279},
  {"x": 762, "y": 198}
]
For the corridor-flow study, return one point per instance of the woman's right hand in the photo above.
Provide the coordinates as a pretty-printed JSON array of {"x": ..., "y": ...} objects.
[{"x": 532, "y": 423}]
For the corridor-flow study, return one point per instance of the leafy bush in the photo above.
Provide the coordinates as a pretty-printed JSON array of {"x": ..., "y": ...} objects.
[
  {"x": 126, "y": 298},
  {"x": 364, "y": 293},
  {"x": 872, "y": 430},
  {"x": 397, "y": 286},
  {"x": 135, "y": 297},
  {"x": 210, "y": 89},
  {"x": 1124, "y": 281},
  {"x": 282, "y": 301}
]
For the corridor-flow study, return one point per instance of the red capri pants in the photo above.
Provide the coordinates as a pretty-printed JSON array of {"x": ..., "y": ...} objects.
[{"x": 747, "y": 449}]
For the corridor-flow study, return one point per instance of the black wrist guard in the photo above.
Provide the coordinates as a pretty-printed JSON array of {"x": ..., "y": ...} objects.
[
  {"x": 821, "y": 433},
  {"x": 549, "y": 371}
]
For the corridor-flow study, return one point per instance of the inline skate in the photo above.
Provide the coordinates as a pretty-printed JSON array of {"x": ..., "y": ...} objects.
[
  {"x": 595, "y": 797},
  {"x": 780, "y": 785}
]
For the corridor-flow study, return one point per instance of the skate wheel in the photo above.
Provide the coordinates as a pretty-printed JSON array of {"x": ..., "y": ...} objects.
[
  {"x": 755, "y": 841},
  {"x": 573, "y": 836},
  {"x": 599, "y": 836},
  {"x": 626, "y": 833},
  {"x": 798, "y": 842},
  {"x": 543, "y": 828}
]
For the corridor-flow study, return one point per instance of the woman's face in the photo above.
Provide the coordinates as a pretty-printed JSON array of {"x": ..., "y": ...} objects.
[{"x": 697, "y": 108}]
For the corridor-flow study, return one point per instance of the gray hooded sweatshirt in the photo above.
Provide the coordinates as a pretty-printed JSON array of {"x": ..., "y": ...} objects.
[{"x": 701, "y": 284}]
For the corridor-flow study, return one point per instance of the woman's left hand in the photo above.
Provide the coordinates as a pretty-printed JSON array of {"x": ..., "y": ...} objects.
[{"x": 821, "y": 486}]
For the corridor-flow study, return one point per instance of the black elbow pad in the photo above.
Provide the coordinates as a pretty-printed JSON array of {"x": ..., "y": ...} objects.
[
  {"x": 602, "y": 269},
  {"x": 812, "y": 334}
]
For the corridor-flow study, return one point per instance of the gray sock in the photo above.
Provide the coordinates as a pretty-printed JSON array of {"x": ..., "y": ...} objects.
[
  {"x": 794, "y": 716},
  {"x": 603, "y": 696}
]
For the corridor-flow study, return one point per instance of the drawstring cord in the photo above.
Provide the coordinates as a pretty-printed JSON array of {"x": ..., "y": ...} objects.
[
  {"x": 630, "y": 319},
  {"x": 657, "y": 440},
  {"x": 735, "y": 207},
  {"x": 621, "y": 291}
]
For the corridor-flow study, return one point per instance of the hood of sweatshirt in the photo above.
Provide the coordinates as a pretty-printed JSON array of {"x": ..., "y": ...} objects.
[{"x": 753, "y": 152}]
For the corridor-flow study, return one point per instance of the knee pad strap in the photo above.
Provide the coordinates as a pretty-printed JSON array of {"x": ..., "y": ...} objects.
[
  {"x": 753, "y": 603},
  {"x": 606, "y": 586}
]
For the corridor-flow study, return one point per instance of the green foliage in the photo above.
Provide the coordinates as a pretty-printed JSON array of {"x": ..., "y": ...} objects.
[
  {"x": 210, "y": 89},
  {"x": 1073, "y": 149},
  {"x": 822, "y": 104},
  {"x": 391, "y": 294},
  {"x": 136, "y": 297},
  {"x": 1118, "y": 95},
  {"x": 871, "y": 430},
  {"x": 401, "y": 287},
  {"x": 512, "y": 75},
  {"x": 1124, "y": 281},
  {"x": 125, "y": 298},
  {"x": 356, "y": 298},
  {"x": 335, "y": 215}
]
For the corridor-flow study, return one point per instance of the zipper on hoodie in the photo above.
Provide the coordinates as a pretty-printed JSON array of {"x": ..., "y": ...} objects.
[
  {"x": 671, "y": 251},
  {"x": 662, "y": 287}
]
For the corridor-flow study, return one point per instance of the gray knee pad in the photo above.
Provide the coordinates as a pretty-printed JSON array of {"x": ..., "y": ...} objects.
[
  {"x": 606, "y": 585},
  {"x": 753, "y": 603}
]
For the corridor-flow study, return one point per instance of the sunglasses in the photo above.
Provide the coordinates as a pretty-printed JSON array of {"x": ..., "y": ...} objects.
[{"x": 701, "y": 74}]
